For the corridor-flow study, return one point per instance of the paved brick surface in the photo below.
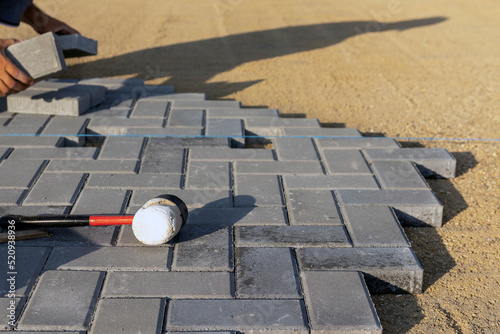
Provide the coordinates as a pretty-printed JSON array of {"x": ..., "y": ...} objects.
[{"x": 286, "y": 238}]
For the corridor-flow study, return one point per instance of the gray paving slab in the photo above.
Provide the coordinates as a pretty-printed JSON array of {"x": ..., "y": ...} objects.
[
  {"x": 362, "y": 142},
  {"x": 30, "y": 141},
  {"x": 112, "y": 81},
  {"x": 38, "y": 56},
  {"x": 365, "y": 224},
  {"x": 265, "y": 273},
  {"x": 224, "y": 217},
  {"x": 192, "y": 198},
  {"x": 33, "y": 210},
  {"x": 73, "y": 153},
  {"x": 240, "y": 315},
  {"x": 71, "y": 128},
  {"x": 28, "y": 262},
  {"x": 208, "y": 175},
  {"x": 148, "y": 108},
  {"x": 20, "y": 174},
  {"x": 134, "y": 181},
  {"x": 109, "y": 258},
  {"x": 92, "y": 166},
  {"x": 242, "y": 113},
  {"x": 57, "y": 305},
  {"x": 322, "y": 132},
  {"x": 56, "y": 189},
  {"x": 101, "y": 201},
  {"x": 27, "y": 120},
  {"x": 102, "y": 112},
  {"x": 227, "y": 127},
  {"x": 166, "y": 93},
  {"x": 76, "y": 45},
  {"x": 291, "y": 236},
  {"x": 348, "y": 161},
  {"x": 188, "y": 142},
  {"x": 230, "y": 154},
  {"x": 4, "y": 153},
  {"x": 119, "y": 126},
  {"x": 186, "y": 117},
  {"x": 388, "y": 269},
  {"x": 277, "y": 122},
  {"x": 258, "y": 190},
  {"x": 11, "y": 308},
  {"x": 279, "y": 167},
  {"x": 413, "y": 207},
  {"x": 339, "y": 302},
  {"x": 196, "y": 104},
  {"x": 12, "y": 196},
  {"x": 16, "y": 131},
  {"x": 398, "y": 175},
  {"x": 330, "y": 182},
  {"x": 127, "y": 315},
  {"x": 295, "y": 149},
  {"x": 164, "y": 132},
  {"x": 312, "y": 207},
  {"x": 122, "y": 148},
  {"x": 71, "y": 236},
  {"x": 203, "y": 248},
  {"x": 159, "y": 159},
  {"x": 172, "y": 285}
]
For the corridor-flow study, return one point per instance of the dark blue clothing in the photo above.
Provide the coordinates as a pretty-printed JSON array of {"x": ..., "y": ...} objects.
[{"x": 11, "y": 11}]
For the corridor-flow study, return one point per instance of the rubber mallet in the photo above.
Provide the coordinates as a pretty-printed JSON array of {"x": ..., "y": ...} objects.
[{"x": 155, "y": 223}]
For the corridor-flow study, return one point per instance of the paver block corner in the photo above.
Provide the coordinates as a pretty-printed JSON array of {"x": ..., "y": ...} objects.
[{"x": 76, "y": 45}]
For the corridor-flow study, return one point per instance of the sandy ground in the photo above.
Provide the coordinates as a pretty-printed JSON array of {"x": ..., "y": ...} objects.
[{"x": 387, "y": 67}]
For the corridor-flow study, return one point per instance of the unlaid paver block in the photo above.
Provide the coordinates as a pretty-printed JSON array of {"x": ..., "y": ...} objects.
[
  {"x": 242, "y": 113},
  {"x": 167, "y": 93},
  {"x": 226, "y": 127},
  {"x": 85, "y": 236},
  {"x": 432, "y": 162},
  {"x": 322, "y": 132},
  {"x": 72, "y": 153},
  {"x": 159, "y": 159},
  {"x": 122, "y": 148},
  {"x": 339, "y": 302},
  {"x": 193, "y": 198},
  {"x": 178, "y": 285},
  {"x": 71, "y": 128},
  {"x": 134, "y": 181},
  {"x": 109, "y": 258},
  {"x": 113, "y": 81},
  {"x": 186, "y": 117},
  {"x": 374, "y": 226},
  {"x": 12, "y": 196},
  {"x": 127, "y": 315},
  {"x": 279, "y": 167},
  {"x": 20, "y": 174},
  {"x": 330, "y": 182},
  {"x": 38, "y": 56},
  {"x": 361, "y": 142},
  {"x": 258, "y": 190},
  {"x": 11, "y": 308},
  {"x": 63, "y": 300},
  {"x": 93, "y": 166},
  {"x": 413, "y": 207},
  {"x": 398, "y": 175},
  {"x": 225, "y": 217},
  {"x": 291, "y": 236},
  {"x": 239, "y": 315},
  {"x": 312, "y": 207},
  {"x": 278, "y": 122},
  {"x": 230, "y": 154},
  {"x": 197, "y": 104},
  {"x": 28, "y": 263},
  {"x": 147, "y": 108},
  {"x": 296, "y": 149},
  {"x": 101, "y": 202},
  {"x": 346, "y": 162},
  {"x": 56, "y": 189},
  {"x": 203, "y": 248},
  {"x": 266, "y": 273},
  {"x": 387, "y": 270},
  {"x": 76, "y": 45},
  {"x": 208, "y": 175}
]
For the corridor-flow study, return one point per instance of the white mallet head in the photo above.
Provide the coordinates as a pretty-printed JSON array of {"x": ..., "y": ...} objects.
[{"x": 159, "y": 220}]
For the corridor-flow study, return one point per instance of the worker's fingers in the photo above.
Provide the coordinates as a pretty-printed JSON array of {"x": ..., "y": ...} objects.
[
  {"x": 17, "y": 74},
  {"x": 13, "y": 84},
  {"x": 4, "y": 90}
]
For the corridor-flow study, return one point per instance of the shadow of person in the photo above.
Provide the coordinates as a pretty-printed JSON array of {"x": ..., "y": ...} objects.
[{"x": 190, "y": 66}]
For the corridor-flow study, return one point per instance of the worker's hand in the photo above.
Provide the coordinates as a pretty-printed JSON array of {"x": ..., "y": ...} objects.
[
  {"x": 12, "y": 79},
  {"x": 43, "y": 23}
]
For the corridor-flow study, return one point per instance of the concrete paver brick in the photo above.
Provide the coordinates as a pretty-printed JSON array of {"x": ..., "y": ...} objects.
[
  {"x": 277, "y": 122},
  {"x": 71, "y": 236},
  {"x": 322, "y": 132},
  {"x": 291, "y": 236},
  {"x": 4, "y": 152},
  {"x": 339, "y": 302},
  {"x": 221, "y": 153},
  {"x": 279, "y": 167},
  {"x": 27, "y": 120},
  {"x": 72, "y": 153},
  {"x": 12, "y": 196},
  {"x": 179, "y": 285},
  {"x": 203, "y": 248},
  {"x": 362, "y": 142},
  {"x": 109, "y": 258},
  {"x": 29, "y": 141},
  {"x": 186, "y": 117},
  {"x": 266, "y": 273},
  {"x": 28, "y": 263},
  {"x": 239, "y": 315},
  {"x": 152, "y": 93},
  {"x": 160, "y": 159},
  {"x": 10, "y": 130},
  {"x": 388, "y": 269},
  {"x": 56, "y": 189},
  {"x": 75, "y": 45},
  {"x": 196, "y": 104},
  {"x": 257, "y": 190},
  {"x": 188, "y": 142},
  {"x": 228, "y": 127},
  {"x": 101, "y": 201},
  {"x": 413, "y": 207},
  {"x": 119, "y": 126},
  {"x": 38, "y": 56},
  {"x": 159, "y": 90},
  {"x": 122, "y": 148},
  {"x": 398, "y": 175},
  {"x": 192, "y": 198},
  {"x": 295, "y": 149},
  {"x": 34, "y": 210},
  {"x": 147, "y": 108},
  {"x": 432, "y": 162},
  {"x": 208, "y": 175},
  {"x": 312, "y": 207},
  {"x": 134, "y": 181},
  {"x": 242, "y": 113},
  {"x": 12, "y": 307},
  {"x": 346, "y": 162},
  {"x": 224, "y": 217},
  {"x": 330, "y": 182},
  {"x": 364, "y": 224},
  {"x": 57, "y": 305},
  {"x": 67, "y": 126},
  {"x": 101, "y": 112},
  {"x": 20, "y": 174},
  {"x": 93, "y": 166},
  {"x": 113, "y": 81},
  {"x": 126, "y": 315},
  {"x": 163, "y": 132}
]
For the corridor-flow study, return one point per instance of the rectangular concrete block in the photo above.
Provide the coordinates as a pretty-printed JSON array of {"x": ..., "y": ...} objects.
[
  {"x": 203, "y": 248},
  {"x": 60, "y": 153},
  {"x": 113, "y": 81},
  {"x": 432, "y": 162},
  {"x": 242, "y": 113},
  {"x": 312, "y": 207},
  {"x": 34, "y": 210},
  {"x": 29, "y": 121},
  {"x": 239, "y": 315},
  {"x": 38, "y": 56},
  {"x": 192, "y": 198},
  {"x": 172, "y": 285},
  {"x": 227, "y": 217},
  {"x": 413, "y": 207},
  {"x": 101, "y": 202},
  {"x": 278, "y": 122},
  {"x": 296, "y": 149},
  {"x": 186, "y": 117},
  {"x": 126, "y": 315},
  {"x": 56, "y": 189},
  {"x": 57, "y": 305},
  {"x": 330, "y": 182},
  {"x": 291, "y": 236},
  {"x": 208, "y": 175},
  {"x": 339, "y": 302},
  {"x": 188, "y": 142},
  {"x": 19, "y": 173},
  {"x": 76, "y": 45},
  {"x": 146, "y": 108},
  {"x": 119, "y": 126},
  {"x": 29, "y": 141},
  {"x": 346, "y": 162},
  {"x": 226, "y": 127},
  {"x": 93, "y": 166},
  {"x": 266, "y": 273},
  {"x": 196, "y": 104},
  {"x": 134, "y": 181},
  {"x": 166, "y": 93},
  {"x": 387, "y": 270},
  {"x": 70, "y": 128},
  {"x": 164, "y": 132},
  {"x": 279, "y": 167},
  {"x": 12, "y": 308},
  {"x": 257, "y": 190},
  {"x": 122, "y": 148},
  {"x": 12, "y": 197},
  {"x": 72, "y": 236},
  {"x": 230, "y": 154},
  {"x": 160, "y": 159},
  {"x": 398, "y": 175},
  {"x": 362, "y": 142},
  {"x": 109, "y": 258},
  {"x": 322, "y": 132}
]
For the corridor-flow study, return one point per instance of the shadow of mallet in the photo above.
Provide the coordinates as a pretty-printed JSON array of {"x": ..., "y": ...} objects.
[{"x": 155, "y": 223}]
